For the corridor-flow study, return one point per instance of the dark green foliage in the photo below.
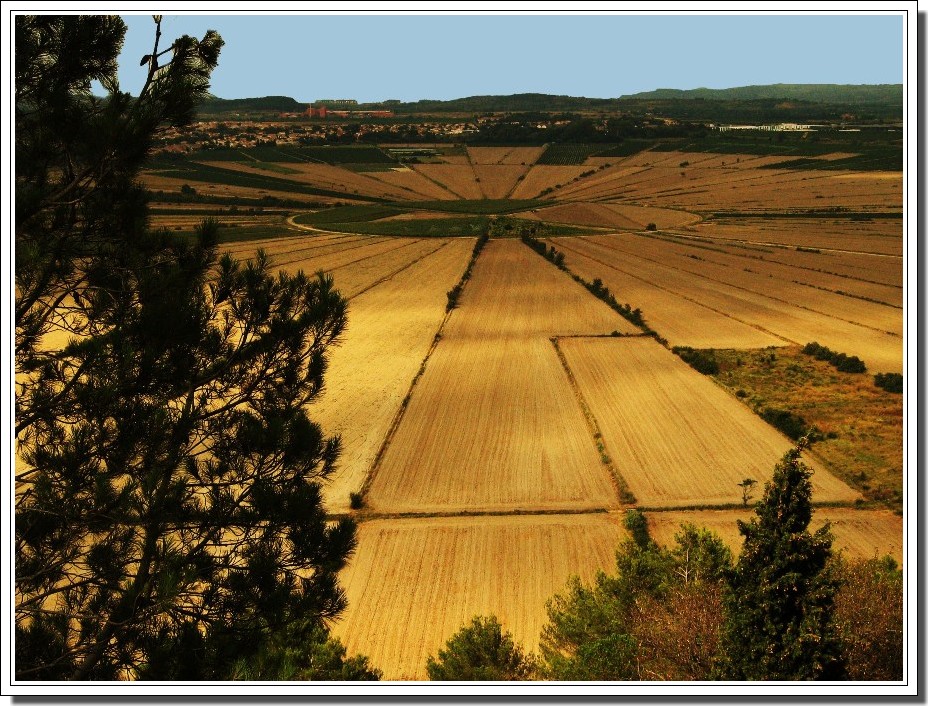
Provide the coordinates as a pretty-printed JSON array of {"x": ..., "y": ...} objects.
[
  {"x": 780, "y": 603},
  {"x": 658, "y": 617},
  {"x": 791, "y": 424},
  {"x": 169, "y": 522},
  {"x": 453, "y": 295},
  {"x": 346, "y": 214},
  {"x": 304, "y": 653},
  {"x": 481, "y": 651},
  {"x": 702, "y": 360},
  {"x": 637, "y": 525},
  {"x": 841, "y": 361},
  {"x": 891, "y": 382}
]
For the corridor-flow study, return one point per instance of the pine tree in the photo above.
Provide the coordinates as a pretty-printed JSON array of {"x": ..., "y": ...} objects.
[
  {"x": 780, "y": 602},
  {"x": 481, "y": 651},
  {"x": 169, "y": 522}
]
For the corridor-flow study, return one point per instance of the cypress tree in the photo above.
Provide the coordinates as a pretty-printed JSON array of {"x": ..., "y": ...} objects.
[{"x": 780, "y": 602}]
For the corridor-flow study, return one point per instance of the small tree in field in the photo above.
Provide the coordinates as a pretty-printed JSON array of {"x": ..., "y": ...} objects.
[
  {"x": 780, "y": 604},
  {"x": 481, "y": 651},
  {"x": 747, "y": 489}
]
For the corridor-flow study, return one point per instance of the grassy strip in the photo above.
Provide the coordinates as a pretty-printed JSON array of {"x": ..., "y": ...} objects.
[
  {"x": 835, "y": 213},
  {"x": 478, "y": 206},
  {"x": 196, "y": 198},
  {"x": 430, "y": 228},
  {"x": 458, "y": 226},
  {"x": 232, "y": 234},
  {"x": 347, "y": 214}
]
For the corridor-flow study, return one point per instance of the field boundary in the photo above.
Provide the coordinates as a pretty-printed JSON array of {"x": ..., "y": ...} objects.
[
  {"x": 753, "y": 325},
  {"x": 621, "y": 486},
  {"x": 365, "y": 516},
  {"x": 401, "y": 412},
  {"x": 395, "y": 272}
]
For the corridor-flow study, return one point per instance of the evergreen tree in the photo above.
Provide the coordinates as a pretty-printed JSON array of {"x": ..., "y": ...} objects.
[
  {"x": 780, "y": 603},
  {"x": 658, "y": 617},
  {"x": 481, "y": 651},
  {"x": 169, "y": 522}
]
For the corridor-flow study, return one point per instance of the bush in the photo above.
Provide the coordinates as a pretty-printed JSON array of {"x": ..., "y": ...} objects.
[
  {"x": 356, "y": 501},
  {"x": 891, "y": 382},
  {"x": 843, "y": 362},
  {"x": 794, "y": 426},
  {"x": 651, "y": 226},
  {"x": 701, "y": 360},
  {"x": 481, "y": 651}
]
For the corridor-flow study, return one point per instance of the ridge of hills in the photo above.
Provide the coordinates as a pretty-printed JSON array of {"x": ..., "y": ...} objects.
[{"x": 884, "y": 99}]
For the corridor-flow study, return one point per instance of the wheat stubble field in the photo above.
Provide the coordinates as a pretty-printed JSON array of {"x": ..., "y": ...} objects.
[{"x": 496, "y": 445}]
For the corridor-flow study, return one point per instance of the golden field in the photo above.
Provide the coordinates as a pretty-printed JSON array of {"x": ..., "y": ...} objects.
[{"x": 493, "y": 443}]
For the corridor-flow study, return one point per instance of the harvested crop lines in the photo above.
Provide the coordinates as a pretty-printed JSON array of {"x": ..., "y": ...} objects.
[
  {"x": 881, "y": 351},
  {"x": 493, "y": 447},
  {"x": 412, "y": 583},
  {"x": 390, "y": 329},
  {"x": 860, "y": 534},
  {"x": 678, "y": 319},
  {"x": 676, "y": 437}
]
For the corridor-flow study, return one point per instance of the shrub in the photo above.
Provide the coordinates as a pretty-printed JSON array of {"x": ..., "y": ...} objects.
[
  {"x": 702, "y": 360},
  {"x": 843, "y": 362},
  {"x": 651, "y": 226},
  {"x": 891, "y": 382},
  {"x": 481, "y": 651},
  {"x": 794, "y": 426},
  {"x": 356, "y": 501}
]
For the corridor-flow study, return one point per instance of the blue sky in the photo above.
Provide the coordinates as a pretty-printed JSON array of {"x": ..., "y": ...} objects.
[{"x": 412, "y": 57}]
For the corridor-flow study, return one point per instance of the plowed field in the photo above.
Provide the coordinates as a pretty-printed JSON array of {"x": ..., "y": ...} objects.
[
  {"x": 676, "y": 437},
  {"x": 413, "y": 583},
  {"x": 390, "y": 329},
  {"x": 492, "y": 448}
]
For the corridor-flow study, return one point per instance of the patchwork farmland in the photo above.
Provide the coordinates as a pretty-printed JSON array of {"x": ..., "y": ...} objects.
[{"x": 492, "y": 444}]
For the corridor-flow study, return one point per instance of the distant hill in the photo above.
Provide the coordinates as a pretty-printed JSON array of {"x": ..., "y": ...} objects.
[
  {"x": 800, "y": 102},
  {"x": 863, "y": 94},
  {"x": 283, "y": 104}
]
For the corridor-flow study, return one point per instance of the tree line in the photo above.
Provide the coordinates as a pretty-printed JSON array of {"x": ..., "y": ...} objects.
[{"x": 789, "y": 608}]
